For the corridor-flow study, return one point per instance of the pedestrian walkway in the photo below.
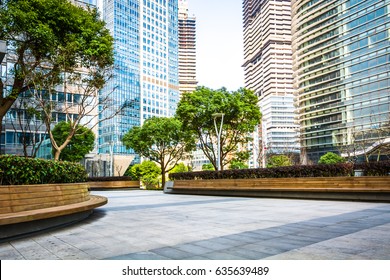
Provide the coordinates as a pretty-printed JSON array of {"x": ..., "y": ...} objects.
[{"x": 151, "y": 225}]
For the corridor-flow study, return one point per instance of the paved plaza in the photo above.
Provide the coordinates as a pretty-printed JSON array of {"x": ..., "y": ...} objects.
[{"x": 151, "y": 225}]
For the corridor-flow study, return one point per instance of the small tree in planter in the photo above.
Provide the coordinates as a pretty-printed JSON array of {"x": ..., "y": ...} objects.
[
  {"x": 147, "y": 172},
  {"x": 331, "y": 158}
]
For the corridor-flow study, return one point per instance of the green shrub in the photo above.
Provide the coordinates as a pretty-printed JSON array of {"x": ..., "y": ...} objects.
[
  {"x": 208, "y": 166},
  {"x": 377, "y": 168},
  {"x": 328, "y": 170},
  {"x": 331, "y": 158},
  {"x": 236, "y": 164},
  {"x": 148, "y": 172},
  {"x": 27, "y": 171},
  {"x": 278, "y": 161},
  {"x": 180, "y": 167}
]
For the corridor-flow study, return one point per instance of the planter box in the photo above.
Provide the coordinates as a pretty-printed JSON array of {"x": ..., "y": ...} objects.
[
  {"x": 341, "y": 188},
  {"x": 29, "y": 208},
  {"x": 96, "y": 185}
]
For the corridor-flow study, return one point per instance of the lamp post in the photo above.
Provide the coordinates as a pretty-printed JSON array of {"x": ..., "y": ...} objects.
[{"x": 215, "y": 116}]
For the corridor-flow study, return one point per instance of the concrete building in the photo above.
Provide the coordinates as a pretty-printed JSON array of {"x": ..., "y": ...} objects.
[
  {"x": 341, "y": 55},
  {"x": 187, "y": 49},
  {"x": 268, "y": 72}
]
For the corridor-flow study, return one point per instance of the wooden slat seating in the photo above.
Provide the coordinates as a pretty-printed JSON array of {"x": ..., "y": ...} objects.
[
  {"x": 27, "y": 203},
  {"x": 323, "y": 184},
  {"x": 113, "y": 184}
]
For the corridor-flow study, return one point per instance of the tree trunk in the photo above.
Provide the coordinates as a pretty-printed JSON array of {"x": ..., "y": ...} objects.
[
  {"x": 163, "y": 178},
  {"x": 57, "y": 155}
]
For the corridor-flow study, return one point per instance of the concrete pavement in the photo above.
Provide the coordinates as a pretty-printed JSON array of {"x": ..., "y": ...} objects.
[{"x": 149, "y": 225}]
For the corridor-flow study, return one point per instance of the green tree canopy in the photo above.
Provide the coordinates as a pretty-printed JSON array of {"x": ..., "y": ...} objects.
[
  {"x": 147, "y": 172},
  {"x": 279, "y": 160},
  {"x": 331, "y": 158},
  {"x": 208, "y": 166},
  {"x": 161, "y": 140},
  {"x": 236, "y": 164},
  {"x": 241, "y": 115},
  {"x": 180, "y": 167},
  {"x": 81, "y": 144},
  {"x": 47, "y": 38}
]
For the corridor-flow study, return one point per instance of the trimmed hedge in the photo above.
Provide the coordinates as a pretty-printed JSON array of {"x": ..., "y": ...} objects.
[
  {"x": 28, "y": 171},
  {"x": 325, "y": 170},
  {"x": 381, "y": 168}
]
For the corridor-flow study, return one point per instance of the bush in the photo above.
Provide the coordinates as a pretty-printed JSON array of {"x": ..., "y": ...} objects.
[
  {"x": 329, "y": 170},
  {"x": 278, "y": 161},
  {"x": 147, "y": 172},
  {"x": 235, "y": 164},
  {"x": 180, "y": 167},
  {"x": 27, "y": 171},
  {"x": 208, "y": 166},
  {"x": 377, "y": 168},
  {"x": 331, "y": 158}
]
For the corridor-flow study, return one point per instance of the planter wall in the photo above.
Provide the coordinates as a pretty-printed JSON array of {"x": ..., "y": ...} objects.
[
  {"x": 341, "y": 188},
  {"x": 29, "y": 208},
  {"x": 95, "y": 185}
]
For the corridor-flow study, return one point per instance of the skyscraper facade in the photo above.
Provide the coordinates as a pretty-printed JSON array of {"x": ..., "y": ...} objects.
[
  {"x": 268, "y": 72},
  {"x": 187, "y": 49},
  {"x": 145, "y": 79},
  {"x": 341, "y": 55}
]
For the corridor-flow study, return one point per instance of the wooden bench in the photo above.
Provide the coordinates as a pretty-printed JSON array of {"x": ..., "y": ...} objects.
[
  {"x": 355, "y": 188},
  {"x": 96, "y": 185},
  {"x": 34, "y": 202}
]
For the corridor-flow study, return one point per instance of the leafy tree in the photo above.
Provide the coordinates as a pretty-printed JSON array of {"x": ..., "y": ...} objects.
[
  {"x": 161, "y": 140},
  {"x": 81, "y": 143},
  {"x": 279, "y": 160},
  {"x": 180, "y": 167},
  {"x": 235, "y": 164},
  {"x": 241, "y": 115},
  {"x": 208, "y": 166},
  {"x": 331, "y": 158},
  {"x": 147, "y": 172},
  {"x": 49, "y": 41}
]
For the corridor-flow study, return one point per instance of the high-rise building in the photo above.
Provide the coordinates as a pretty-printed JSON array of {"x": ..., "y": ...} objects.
[
  {"x": 341, "y": 56},
  {"x": 145, "y": 80},
  {"x": 268, "y": 72},
  {"x": 187, "y": 49}
]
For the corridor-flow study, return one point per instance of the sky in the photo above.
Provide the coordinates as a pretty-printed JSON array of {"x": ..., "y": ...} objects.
[{"x": 219, "y": 43}]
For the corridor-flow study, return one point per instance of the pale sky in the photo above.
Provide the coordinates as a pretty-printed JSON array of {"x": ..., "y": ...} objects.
[{"x": 219, "y": 42}]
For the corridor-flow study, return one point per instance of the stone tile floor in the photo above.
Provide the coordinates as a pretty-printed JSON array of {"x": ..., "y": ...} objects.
[{"x": 151, "y": 225}]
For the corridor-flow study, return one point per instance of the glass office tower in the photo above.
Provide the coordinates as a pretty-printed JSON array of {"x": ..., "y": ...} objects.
[
  {"x": 341, "y": 55},
  {"x": 145, "y": 80}
]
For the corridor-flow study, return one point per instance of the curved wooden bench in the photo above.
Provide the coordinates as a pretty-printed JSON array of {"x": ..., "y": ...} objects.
[
  {"x": 351, "y": 188},
  {"x": 32, "y": 203}
]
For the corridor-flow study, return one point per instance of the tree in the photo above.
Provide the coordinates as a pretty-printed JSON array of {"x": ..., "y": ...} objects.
[
  {"x": 236, "y": 164},
  {"x": 241, "y": 115},
  {"x": 208, "y": 166},
  {"x": 279, "y": 160},
  {"x": 147, "y": 172},
  {"x": 52, "y": 42},
  {"x": 180, "y": 167},
  {"x": 331, "y": 158},
  {"x": 161, "y": 140},
  {"x": 82, "y": 142}
]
